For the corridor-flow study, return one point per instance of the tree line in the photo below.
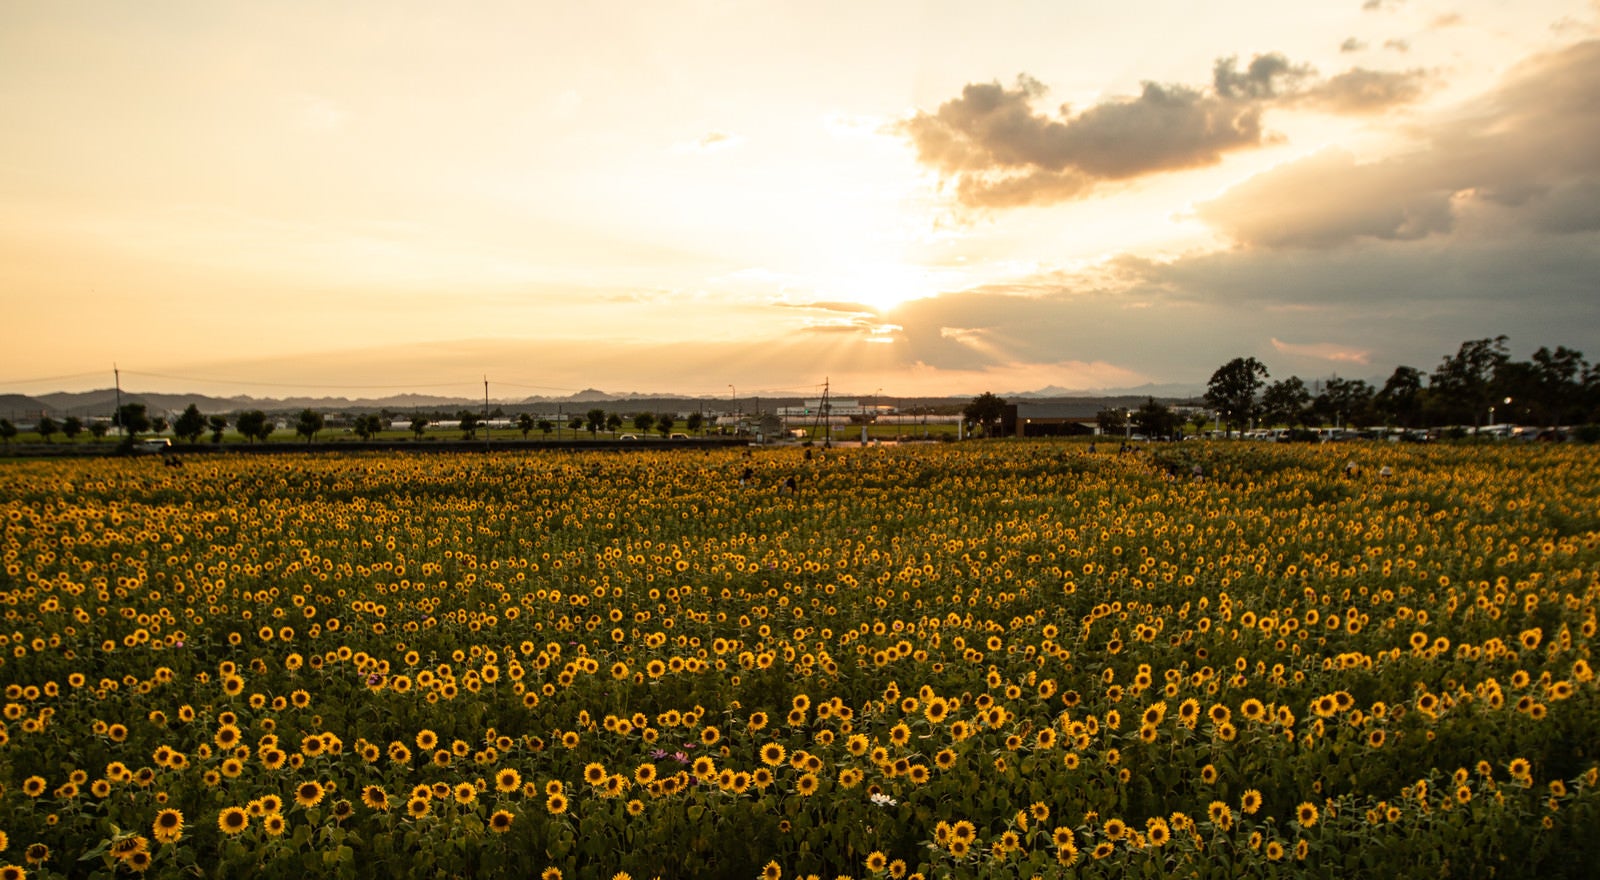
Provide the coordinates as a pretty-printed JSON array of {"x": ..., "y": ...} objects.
[
  {"x": 1477, "y": 385},
  {"x": 256, "y": 425}
]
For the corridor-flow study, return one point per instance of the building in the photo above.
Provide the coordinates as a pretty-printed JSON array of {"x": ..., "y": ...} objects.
[
  {"x": 836, "y": 408},
  {"x": 1049, "y": 419}
]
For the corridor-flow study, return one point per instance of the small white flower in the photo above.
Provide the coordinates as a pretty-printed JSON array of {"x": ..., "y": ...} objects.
[{"x": 884, "y": 800}]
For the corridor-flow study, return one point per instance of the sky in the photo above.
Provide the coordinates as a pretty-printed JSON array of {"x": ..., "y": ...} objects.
[{"x": 708, "y": 197}]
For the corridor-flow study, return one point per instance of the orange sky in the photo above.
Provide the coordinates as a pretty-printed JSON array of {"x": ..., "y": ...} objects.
[{"x": 225, "y": 197}]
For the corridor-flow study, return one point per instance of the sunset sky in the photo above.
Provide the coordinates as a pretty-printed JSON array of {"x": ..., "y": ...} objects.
[{"x": 362, "y": 198}]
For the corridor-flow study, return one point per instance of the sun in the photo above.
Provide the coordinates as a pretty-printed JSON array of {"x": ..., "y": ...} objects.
[{"x": 881, "y": 285}]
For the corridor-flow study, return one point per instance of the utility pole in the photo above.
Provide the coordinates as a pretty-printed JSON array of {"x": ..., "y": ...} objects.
[
  {"x": 486, "y": 412},
  {"x": 116, "y": 417}
]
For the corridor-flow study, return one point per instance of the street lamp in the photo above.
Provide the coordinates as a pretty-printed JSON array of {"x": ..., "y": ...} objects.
[{"x": 733, "y": 403}]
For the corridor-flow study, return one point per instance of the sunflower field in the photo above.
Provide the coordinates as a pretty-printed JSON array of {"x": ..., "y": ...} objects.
[{"x": 1006, "y": 659}]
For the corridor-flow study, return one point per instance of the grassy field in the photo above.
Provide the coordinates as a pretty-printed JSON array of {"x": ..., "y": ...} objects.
[{"x": 1005, "y": 659}]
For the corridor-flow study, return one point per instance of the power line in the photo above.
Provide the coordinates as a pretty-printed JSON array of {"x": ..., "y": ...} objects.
[{"x": 214, "y": 380}]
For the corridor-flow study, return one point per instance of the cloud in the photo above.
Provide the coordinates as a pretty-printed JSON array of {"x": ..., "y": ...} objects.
[
  {"x": 1528, "y": 152},
  {"x": 1449, "y": 19},
  {"x": 1328, "y": 351},
  {"x": 997, "y": 151},
  {"x": 1002, "y": 153},
  {"x": 1397, "y": 45},
  {"x": 1352, "y": 44},
  {"x": 1359, "y": 91},
  {"x": 1381, "y": 5},
  {"x": 710, "y": 142}
]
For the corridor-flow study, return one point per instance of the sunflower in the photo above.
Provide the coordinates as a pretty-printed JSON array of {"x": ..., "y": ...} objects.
[
  {"x": 806, "y": 785},
  {"x": 375, "y": 797},
  {"x": 1251, "y": 802},
  {"x": 595, "y": 774},
  {"x": 275, "y": 824},
  {"x": 309, "y": 794},
  {"x": 772, "y": 871},
  {"x": 556, "y": 803},
  {"x": 772, "y": 754},
  {"x": 500, "y": 821},
  {"x": 168, "y": 826},
  {"x": 1306, "y": 814},
  {"x": 877, "y": 861},
  {"x": 1221, "y": 815},
  {"x": 417, "y": 807},
  {"x": 233, "y": 820},
  {"x": 507, "y": 780}
]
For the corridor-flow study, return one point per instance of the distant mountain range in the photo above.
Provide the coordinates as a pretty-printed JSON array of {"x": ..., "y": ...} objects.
[{"x": 102, "y": 402}]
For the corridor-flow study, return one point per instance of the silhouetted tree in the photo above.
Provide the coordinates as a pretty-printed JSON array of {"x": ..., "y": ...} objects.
[
  {"x": 1344, "y": 402},
  {"x": 1463, "y": 384},
  {"x": 132, "y": 419},
  {"x": 1232, "y": 390},
  {"x": 664, "y": 423},
  {"x": 1111, "y": 420},
  {"x": 309, "y": 423},
  {"x": 1154, "y": 419},
  {"x": 985, "y": 411},
  {"x": 98, "y": 430},
  {"x": 694, "y": 423},
  {"x": 1399, "y": 402},
  {"x": 469, "y": 423},
  {"x": 217, "y": 424},
  {"x": 46, "y": 426},
  {"x": 255, "y": 425},
  {"x": 545, "y": 427},
  {"x": 575, "y": 424},
  {"x": 1286, "y": 401},
  {"x": 72, "y": 426},
  {"x": 8, "y": 431},
  {"x": 190, "y": 425},
  {"x": 525, "y": 424},
  {"x": 419, "y": 424},
  {"x": 613, "y": 422},
  {"x": 594, "y": 420}
]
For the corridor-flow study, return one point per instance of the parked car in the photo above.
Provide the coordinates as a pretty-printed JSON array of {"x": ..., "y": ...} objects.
[{"x": 628, "y": 437}]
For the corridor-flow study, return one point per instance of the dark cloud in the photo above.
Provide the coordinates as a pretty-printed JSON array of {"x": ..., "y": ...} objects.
[
  {"x": 1267, "y": 77},
  {"x": 1381, "y": 5},
  {"x": 1359, "y": 91},
  {"x": 1532, "y": 145},
  {"x": 1352, "y": 45},
  {"x": 999, "y": 152}
]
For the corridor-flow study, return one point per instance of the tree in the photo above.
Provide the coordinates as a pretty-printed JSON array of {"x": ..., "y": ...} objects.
[
  {"x": 643, "y": 421},
  {"x": 217, "y": 424},
  {"x": 575, "y": 424},
  {"x": 1287, "y": 402},
  {"x": 1199, "y": 419},
  {"x": 1154, "y": 419},
  {"x": 159, "y": 424},
  {"x": 545, "y": 426},
  {"x": 132, "y": 418},
  {"x": 1344, "y": 402},
  {"x": 419, "y": 424},
  {"x": 98, "y": 430},
  {"x": 309, "y": 423},
  {"x": 46, "y": 426},
  {"x": 594, "y": 420},
  {"x": 190, "y": 425},
  {"x": 368, "y": 426},
  {"x": 1560, "y": 374},
  {"x": 72, "y": 426},
  {"x": 525, "y": 424},
  {"x": 613, "y": 422},
  {"x": 1232, "y": 390},
  {"x": 695, "y": 423},
  {"x": 1111, "y": 420},
  {"x": 1463, "y": 384},
  {"x": 254, "y": 425},
  {"x": 1399, "y": 401},
  {"x": 664, "y": 423},
  {"x": 985, "y": 411},
  {"x": 7, "y": 431},
  {"x": 469, "y": 423}
]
